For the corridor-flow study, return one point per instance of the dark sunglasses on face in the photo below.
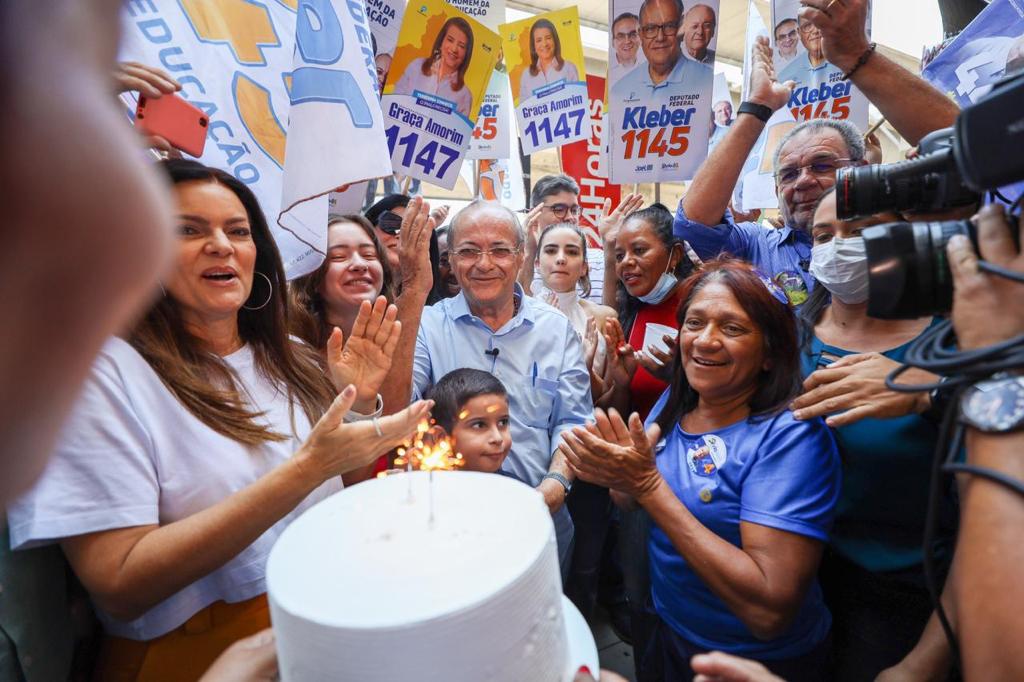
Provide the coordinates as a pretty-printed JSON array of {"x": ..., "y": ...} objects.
[{"x": 389, "y": 222}]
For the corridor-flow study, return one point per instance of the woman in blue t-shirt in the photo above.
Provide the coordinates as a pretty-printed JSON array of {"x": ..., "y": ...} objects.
[
  {"x": 741, "y": 494},
  {"x": 872, "y": 573}
]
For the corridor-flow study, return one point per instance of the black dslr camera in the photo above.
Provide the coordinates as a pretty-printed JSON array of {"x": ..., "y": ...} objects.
[{"x": 908, "y": 273}]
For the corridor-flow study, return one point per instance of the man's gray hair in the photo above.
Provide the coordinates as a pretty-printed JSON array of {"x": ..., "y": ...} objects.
[
  {"x": 855, "y": 150},
  {"x": 482, "y": 206},
  {"x": 643, "y": 6},
  {"x": 552, "y": 184}
]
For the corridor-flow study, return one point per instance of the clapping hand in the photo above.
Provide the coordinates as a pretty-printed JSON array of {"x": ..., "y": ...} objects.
[
  {"x": 363, "y": 360},
  {"x": 610, "y": 454},
  {"x": 335, "y": 448},
  {"x": 610, "y": 221},
  {"x": 621, "y": 362}
]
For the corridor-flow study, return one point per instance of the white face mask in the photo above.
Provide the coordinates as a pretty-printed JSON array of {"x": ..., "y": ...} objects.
[
  {"x": 666, "y": 283},
  {"x": 841, "y": 266}
]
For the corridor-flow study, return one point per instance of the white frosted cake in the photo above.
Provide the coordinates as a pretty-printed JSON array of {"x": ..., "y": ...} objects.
[{"x": 363, "y": 586}]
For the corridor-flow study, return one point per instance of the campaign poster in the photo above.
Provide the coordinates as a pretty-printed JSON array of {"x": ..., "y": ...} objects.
[
  {"x": 820, "y": 90},
  {"x": 722, "y": 114},
  {"x": 492, "y": 133},
  {"x": 990, "y": 48},
  {"x": 288, "y": 90},
  {"x": 660, "y": 108},
  {"x": 442, "y": 64},
  {"x": 385, "y": 17},
  {"x": 582, "y": 161},
  {"x": 756, "y": 185},
  {"x": 544, "y": 56}
]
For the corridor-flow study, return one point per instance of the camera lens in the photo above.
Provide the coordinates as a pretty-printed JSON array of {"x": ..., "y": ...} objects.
[
  {"x": 908, "y": 273},
  {"x": 930, "y": 183}
]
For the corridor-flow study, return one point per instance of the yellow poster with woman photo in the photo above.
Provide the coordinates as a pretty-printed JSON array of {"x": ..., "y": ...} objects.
[
  {"x": 440, "y": 70},
  {"x": 544, "y": 55}
]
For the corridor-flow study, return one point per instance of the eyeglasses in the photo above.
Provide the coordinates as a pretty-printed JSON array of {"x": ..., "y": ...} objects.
[
  {"x": 499, "y": 254},
  {"x": 562, "y": 210},
  {"x": 651, "y": 30},
  {"x": 626, "y": 36},
  {"x": 789, "y": 35},
  {"x": 820, "y": 168},
  {"x": 389, "y": 222},
  {"x": 808, "y": 27}
]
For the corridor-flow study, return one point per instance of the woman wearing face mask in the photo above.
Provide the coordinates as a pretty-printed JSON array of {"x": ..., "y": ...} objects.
[
  {"x": 650, "y": 263},
  {"x": 872, "y": 572}
]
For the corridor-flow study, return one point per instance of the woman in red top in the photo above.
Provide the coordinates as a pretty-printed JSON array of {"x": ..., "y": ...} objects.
[{"x": 650, "y": 263}]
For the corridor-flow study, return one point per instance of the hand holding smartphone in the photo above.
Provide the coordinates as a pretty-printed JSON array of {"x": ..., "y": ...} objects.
[{"x": 174, "y": 119}]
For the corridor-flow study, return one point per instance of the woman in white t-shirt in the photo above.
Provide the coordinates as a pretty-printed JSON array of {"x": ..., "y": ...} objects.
[
  {"x": 443, "y": 73},
  {"x": 546, "y": 62},
  {"x": 198, "y": 438}
]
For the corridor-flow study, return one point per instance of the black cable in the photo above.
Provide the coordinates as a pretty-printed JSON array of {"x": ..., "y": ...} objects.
[{"x": 935, "y": 351}]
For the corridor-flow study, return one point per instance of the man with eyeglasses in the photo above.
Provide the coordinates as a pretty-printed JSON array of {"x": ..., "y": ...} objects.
[
  {"x": 555, "y": 199},
  {"x": 626, "y": 44},
  {"x": 786, "y": 40},
  {"x": 532, "y": 348},
  {"x": 666, "y": 70},
  {"x": 805, "y": 162},
  {"x": 813, "y": 57}
]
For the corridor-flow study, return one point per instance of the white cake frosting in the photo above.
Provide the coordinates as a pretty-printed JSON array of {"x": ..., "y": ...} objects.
[{"x": 363, "y": 587}]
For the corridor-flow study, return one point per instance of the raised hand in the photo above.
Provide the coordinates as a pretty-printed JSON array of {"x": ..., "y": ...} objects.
[
  {"x": 610, "y": 221},
  {"x": 334, "y": 447},
  {"x": 659, "y": 362},
  {"x": 414, "y": 245},
  {"x": 765, "y": 88},
  {"x": 611, "y": 454},
  {"x": 363, "y": 360},
  {"x": 440, "y": 214},
  {"x": 842, "y": 24}
]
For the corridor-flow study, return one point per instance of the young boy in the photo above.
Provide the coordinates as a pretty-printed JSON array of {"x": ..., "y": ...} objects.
[{"x": 472, "y": 407}]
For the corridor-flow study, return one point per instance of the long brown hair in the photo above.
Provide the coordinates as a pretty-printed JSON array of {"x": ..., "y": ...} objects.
[
  {"x": 201, "y": 380},
  {"x": 435, "y": 51},
  {"x": 309, "y": 314},
  {"x": 534, "y": 57}
]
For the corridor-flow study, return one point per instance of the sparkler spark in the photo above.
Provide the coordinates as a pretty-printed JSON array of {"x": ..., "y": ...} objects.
[{"x": 432, "y": 450}]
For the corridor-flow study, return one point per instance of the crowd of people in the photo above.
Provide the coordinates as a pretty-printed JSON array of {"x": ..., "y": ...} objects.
[{"x": 701, "y": 402}]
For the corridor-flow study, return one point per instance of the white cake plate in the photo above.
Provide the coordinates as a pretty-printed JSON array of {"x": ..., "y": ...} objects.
[{"x": 582, "y": 647}]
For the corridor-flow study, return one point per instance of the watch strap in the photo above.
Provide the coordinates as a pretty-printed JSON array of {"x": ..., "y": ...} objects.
[
  {"x": 758, "y": 111},
  {"x": 554, "y": 476}
]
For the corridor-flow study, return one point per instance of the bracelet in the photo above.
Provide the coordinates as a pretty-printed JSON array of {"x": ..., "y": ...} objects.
[
  {"x": 353, "y": 416},
  {"x": 861, "y": 62}
]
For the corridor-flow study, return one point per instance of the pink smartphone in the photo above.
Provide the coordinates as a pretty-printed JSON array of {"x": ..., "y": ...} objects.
[{"x": 175, "y": 120}]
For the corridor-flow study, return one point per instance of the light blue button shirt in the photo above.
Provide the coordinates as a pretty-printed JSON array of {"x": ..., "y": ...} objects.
[
  {"x": 539, "y": 359},
  {"x": 686, "y": 77}
]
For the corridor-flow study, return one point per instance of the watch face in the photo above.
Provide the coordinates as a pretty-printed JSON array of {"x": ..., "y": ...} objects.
[{"x": 995, "y": 405}]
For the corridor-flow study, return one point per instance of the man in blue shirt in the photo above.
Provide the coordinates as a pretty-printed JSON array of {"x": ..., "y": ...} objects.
[
  {"x": 528, "y": 345},
  {"x": 806, "y": 161}
]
